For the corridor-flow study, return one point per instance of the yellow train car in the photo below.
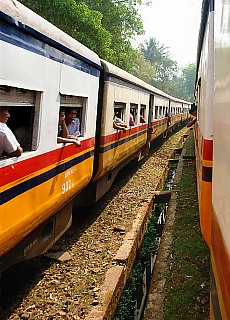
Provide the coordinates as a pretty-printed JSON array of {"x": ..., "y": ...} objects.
[
  {"x": 127, "y": 97},
  {"x": 42, "y": 70}
]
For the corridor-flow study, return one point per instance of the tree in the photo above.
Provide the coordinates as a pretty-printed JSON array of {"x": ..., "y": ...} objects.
[
  {"x": 184, "y": 83},
  {"x": 188, "y": 77},
  {"x": 105, "y": 26},
  {"x": 158, "y": 56},
  {"x": 143, "y": 69},
  {"x": 123, "y": 22},
  {"x": 77, "y": 20},
  {"x": 153, "y": 51},
  {"x": 166, "y": 70}
]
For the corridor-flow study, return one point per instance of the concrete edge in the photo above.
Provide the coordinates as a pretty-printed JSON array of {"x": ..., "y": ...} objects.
[{"x": 116, "y": 277}]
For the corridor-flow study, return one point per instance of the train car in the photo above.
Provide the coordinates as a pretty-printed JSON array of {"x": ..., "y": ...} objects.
[
  {"x": 167, "y": 113},
  {"x": 42, "y": 69},
  {"x": 126, "y": 96},
  {"x": 203, "y": 128},
  {"x": 212, "y": 147}
]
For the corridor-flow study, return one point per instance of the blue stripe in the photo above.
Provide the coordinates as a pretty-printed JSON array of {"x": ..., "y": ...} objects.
[
  {"x": 42, "y": 178},
  {"x": 23, "y": 36}
]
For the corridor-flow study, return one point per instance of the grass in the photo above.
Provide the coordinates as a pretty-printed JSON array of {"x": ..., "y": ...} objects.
[{"x": 187, "y": 284}]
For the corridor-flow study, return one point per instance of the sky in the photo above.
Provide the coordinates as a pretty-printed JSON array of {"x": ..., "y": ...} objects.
[{"x": 175, "y": 24}]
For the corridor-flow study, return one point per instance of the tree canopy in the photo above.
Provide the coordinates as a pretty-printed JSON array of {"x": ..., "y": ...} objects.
[
  {"x": 158, "y": 57},
  {"x": 105, "y": 26}
]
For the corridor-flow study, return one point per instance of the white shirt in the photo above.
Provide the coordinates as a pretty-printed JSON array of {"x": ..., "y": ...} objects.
[
  {"x": 74, "y": 127},
  {"x": 8, "y": 142}
]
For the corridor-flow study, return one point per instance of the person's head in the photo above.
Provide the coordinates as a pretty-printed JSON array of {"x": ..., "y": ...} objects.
[
  {"x": 193, "y": 110},
  {"x": 70, "y": 115},
  {"x": 4, "y": 114}
]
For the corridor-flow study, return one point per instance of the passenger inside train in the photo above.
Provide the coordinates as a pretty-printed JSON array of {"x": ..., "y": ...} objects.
[
  {"x": 131, "y": 120},
  {"x": 119, "y": 124},
  {"x": 9, "y": 146},
  {"x": 72, "y": 122},
  {"x": 142, "y": 119},
  {"x": 63, "y": 136},
  {"x": 193, "y": 112}
]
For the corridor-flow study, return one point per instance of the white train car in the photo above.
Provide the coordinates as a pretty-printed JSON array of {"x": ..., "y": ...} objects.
[
  {"x": 220, "y": 221},
  {"x": 213, "y": 147},
  {"x": 41, "y": 70}
]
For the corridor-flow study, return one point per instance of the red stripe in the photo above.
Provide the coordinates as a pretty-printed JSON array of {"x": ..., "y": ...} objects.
[
  {"x": 207, "y": 149},
  {"x": 25, "y": 167},
  {"x": 158, "y": 121},
  {"x": 120, "y": 134}
]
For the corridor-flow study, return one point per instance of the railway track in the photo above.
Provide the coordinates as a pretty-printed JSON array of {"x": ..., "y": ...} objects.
[{"x": 65, "y": 283}]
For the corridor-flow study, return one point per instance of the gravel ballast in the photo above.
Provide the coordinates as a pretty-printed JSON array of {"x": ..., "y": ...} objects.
[{"x": 65, "y": 283}]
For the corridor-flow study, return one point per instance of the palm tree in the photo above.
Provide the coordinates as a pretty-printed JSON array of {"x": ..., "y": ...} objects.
[{"x": 153, "y": 51}]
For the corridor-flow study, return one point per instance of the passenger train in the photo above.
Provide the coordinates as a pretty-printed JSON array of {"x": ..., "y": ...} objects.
[
  {"x": 42, "y": 70},
  {"x": 212, "y": 94}
]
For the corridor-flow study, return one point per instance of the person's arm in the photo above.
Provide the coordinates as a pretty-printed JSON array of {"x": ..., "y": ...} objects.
[
  {"x": 191, "y": 123},
  {"x": 62, "y": 124},
  {"x": 119, "y": 126},
  {"x": 142, "y": 119},
  {"x": 15, "y": 153},
  {"x": 69, "y": 140},
  {"x": 64, "y": 130},
  {"x": 10, "y": 144}
]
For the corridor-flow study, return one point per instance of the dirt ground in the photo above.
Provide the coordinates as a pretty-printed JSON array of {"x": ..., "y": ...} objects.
[{"x": 65, "y": 284}]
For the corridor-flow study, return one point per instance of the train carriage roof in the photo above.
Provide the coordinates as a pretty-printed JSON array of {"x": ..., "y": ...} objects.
[
  {"x": 121, "y": 74},
  {"x": 31, "y": 21}
]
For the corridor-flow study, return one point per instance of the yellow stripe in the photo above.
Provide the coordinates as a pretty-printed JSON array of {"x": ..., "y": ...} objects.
[{"x": 24, "y": 213}]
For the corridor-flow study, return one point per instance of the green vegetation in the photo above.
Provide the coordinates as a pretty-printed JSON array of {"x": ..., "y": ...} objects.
[
  {"x": 105, "y": 26},
  {"x": 108, "y": 27},
  {"x": 187, "y": 285},
  {"x": 149, "y": 246},
  {"x": 165, "y": 74}
]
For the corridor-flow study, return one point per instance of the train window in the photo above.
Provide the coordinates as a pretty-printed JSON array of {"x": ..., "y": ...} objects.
[
  {"x": 160, "y": 112},
  {"x": 119, "y": 110},
  {"x": 143, "y": 113},
  {"x": 78, "y": 103},
  {"x": 24, "y": 109},
  {"x": 134, "y": 111},
  {"x": 156, "y": 112},
  {"x": 166, "y": 112}
]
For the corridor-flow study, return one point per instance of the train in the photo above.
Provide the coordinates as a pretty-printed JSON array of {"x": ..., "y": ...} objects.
[
  {"x": 42, "y": 70},
  {"x": 212, "y": 147}
]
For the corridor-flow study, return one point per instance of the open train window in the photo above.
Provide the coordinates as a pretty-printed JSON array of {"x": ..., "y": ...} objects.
[
  {"x": 143, "y": 113},
  {"x": 24, "y": 109},
  {"x": 134, "y": 111},
  {"x": 119, "y": 110},
  {"x": 79, "y": 103},
  {"x": 160, "y": 112},
  {"x": 156, "y": 112},
  {"x": 167, "y": 111}
]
